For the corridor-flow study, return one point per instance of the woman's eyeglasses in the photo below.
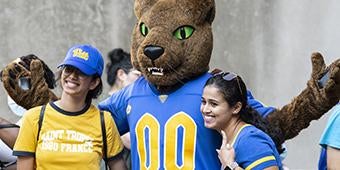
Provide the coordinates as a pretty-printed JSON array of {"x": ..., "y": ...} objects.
[
  {"x": 229, "y": 76},
  {"x": 68, "y": 70}
]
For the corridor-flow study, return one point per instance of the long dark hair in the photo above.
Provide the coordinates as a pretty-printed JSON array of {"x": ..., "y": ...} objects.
[
  {"x": 234, "y": 90},
  {"x": 118, "y": 59}
]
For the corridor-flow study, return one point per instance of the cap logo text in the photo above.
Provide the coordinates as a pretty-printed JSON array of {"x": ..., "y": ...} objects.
[{"x": 80, "y": 54}]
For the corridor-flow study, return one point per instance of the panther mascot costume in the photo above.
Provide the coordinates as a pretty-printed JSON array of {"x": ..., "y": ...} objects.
[{"x": 172, "y": 43}]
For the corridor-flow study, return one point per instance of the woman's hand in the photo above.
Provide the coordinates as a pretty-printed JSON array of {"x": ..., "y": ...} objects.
[{"x": 226, "y": 153}]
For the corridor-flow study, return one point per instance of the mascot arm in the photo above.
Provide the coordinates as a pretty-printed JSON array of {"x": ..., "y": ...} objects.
[
  {"x": 37, "y": 92},
  {"x": 8, "y": 135},
  {"x": 312, "y": 102},
  {"x": 258, "y": 106},
  {"x": 116, "y": 105}
]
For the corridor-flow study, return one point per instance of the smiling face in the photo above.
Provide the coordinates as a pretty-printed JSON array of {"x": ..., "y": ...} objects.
[
  {"x": 216, "y": 111},
  {"x": 75, "y": 83}
]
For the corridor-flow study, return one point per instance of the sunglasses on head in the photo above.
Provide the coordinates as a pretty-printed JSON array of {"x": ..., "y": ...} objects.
[{"x": 229, "y": 76}]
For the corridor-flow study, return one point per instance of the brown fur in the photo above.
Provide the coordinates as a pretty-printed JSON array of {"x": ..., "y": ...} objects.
[
  {"x": 183, "y": 60},
  {"x": 41, "y": 80}
]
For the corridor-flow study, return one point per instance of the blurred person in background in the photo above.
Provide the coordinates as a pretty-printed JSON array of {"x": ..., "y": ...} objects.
[
  {"x": 330, "y": 142},
  {"x": 120, "y": 73}
]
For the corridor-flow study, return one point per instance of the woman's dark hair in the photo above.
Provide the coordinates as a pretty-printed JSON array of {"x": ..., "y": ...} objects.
[
  {"x": 92, "y": 94},
  {"x": 234, "y": 90},
  {"x": 119, "y": 59}
]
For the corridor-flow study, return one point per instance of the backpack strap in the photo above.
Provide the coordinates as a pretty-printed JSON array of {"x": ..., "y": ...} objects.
[
  {"x": 9, "y": 126},
  {"x": 102, "y": 121},
  {"x": 41, "y": 118}
]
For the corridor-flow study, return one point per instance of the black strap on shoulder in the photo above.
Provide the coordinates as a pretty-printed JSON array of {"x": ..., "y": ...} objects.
[
  {"x": 6, "y": 165},
  {"x": 102, "y": 121},
  {"x": 41, "y": 118},
  {"x": 9, "y": 126}
]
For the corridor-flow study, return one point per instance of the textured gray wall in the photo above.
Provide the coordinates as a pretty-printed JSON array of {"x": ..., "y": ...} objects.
[
  {"x": 48, "y": 28},
  {"x": 268, "y": 42}
]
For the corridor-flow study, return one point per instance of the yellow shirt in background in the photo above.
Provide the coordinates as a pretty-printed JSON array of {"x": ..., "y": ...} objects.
[{"x": 67, "y": 140}]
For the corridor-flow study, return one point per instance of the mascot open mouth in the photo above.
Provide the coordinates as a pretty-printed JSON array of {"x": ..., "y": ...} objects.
[{"x": 156, "y": 71}]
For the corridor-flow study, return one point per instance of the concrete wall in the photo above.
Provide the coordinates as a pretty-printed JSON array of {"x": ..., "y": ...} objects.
[{"x": 268, "y": 42}]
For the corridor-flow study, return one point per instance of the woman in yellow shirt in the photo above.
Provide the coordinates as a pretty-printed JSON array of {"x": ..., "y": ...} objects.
[{"x": 70, "y": 135}]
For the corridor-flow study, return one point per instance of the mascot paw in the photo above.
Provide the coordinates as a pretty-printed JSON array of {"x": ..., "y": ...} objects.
[
  {"x": 330, "y": 76},
  {"x": 28, "y": 81}
]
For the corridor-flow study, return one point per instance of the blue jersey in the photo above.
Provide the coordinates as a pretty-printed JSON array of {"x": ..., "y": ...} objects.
[
  {"x": 330, "y": 136},
  {"x": 167, "y": 131},
  {"x": 258, "y": 106},
  {"x": 254, "y": 149}
]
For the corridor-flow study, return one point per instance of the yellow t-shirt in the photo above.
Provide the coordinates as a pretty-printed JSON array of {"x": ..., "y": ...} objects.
[{"x": 67, "y": 140}]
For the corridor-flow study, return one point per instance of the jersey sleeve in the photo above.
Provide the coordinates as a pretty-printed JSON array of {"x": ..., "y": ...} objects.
[
  {"x": 258, "y": 106},
  {"x": 116, "y": 104},
  {"x": 114, "y": 144},
  {"x": 26, "y": 142},
  {"x": 331, "y": 135},
  {"x": 262, "y": 153}
]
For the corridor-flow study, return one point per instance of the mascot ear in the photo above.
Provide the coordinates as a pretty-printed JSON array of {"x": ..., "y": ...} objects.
[
  {"x": 210, "y": 16},
  {"x": 203, "y": 11},
  {"x": 209, "y": 13},
  {"x": 142, "y": 5}
]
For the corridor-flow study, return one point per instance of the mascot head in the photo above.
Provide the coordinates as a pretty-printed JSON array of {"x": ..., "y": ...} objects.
[{"x": 172, "y": 40}]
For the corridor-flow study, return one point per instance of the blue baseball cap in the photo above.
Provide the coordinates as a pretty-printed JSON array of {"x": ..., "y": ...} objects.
[{"x": 85, "y": 58}]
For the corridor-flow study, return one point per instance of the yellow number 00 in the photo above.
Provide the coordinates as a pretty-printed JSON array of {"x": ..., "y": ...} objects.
[{"x": 180, "y": 119}]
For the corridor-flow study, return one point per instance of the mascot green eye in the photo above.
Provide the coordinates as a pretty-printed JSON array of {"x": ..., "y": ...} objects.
[
  {"x": 184, "y": 32},
  {"x": 143, "y": 29}
]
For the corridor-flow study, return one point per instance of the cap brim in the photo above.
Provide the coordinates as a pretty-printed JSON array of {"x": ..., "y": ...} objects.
[{"x": 82, "y": 67}]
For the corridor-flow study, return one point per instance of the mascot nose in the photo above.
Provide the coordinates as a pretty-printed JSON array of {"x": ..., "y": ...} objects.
[{"x": 153, "y": 52}]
